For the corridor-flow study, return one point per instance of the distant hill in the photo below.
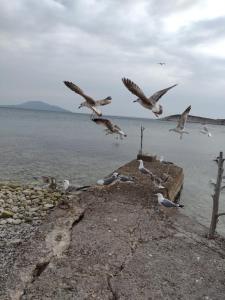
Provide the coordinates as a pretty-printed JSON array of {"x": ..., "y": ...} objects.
[
  {"x": 196, "y": 119},
  {"x": 37, "y": 105}
]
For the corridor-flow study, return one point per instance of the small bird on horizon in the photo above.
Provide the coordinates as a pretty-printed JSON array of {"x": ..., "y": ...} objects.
[
  {"x": 180, "y": 128},
  {"x": 149, "y": 103},
  {"x": 110, "y": 127},
  {"x": 89, "y": 101},
  {"x": 161, "y": 63},
  {"x": 167, "y": 203}
]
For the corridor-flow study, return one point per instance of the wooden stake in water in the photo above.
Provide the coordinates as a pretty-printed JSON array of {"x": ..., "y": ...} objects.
[
  {"x": 216, "y": 196},
  {"x": 142, "y": 129}
]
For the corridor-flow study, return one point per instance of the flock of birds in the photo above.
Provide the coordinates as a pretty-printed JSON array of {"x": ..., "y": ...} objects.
[
  {"x": 50, "y": 183},
  {"x": 150, "y": 103}
]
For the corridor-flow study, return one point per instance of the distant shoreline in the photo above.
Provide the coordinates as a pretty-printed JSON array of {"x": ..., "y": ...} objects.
[
  {"x": 195, "y": 119},
  {"x": 172, "y": 118}
]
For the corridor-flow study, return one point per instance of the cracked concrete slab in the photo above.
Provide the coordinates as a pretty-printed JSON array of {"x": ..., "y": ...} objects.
[{"x": 114, "y": 243}]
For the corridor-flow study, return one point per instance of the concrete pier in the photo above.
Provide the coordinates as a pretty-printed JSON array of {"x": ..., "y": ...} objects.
[{"x": 115, "y": 242}]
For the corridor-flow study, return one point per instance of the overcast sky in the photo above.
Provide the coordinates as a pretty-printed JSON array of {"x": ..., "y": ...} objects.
[{"x": 95, "y": 43}]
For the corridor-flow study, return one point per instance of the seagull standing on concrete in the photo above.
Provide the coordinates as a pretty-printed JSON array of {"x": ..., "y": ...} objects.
[
  {"x": 156, "y": 180},
  {"x": 143, "y": 170},
  {"x": 149, "y": 103},
  {"x": 205, "y": 130},
  {"x": 167, "y": 203},
  {"x": 125, "y": 178},
  {"x": 180, "y": 129},
  {"x": 89, "y": 102},
  {"x": 108, "y": 180},
  {"x": 70, "y": 188},
  {"x": 110, "y": 127}
]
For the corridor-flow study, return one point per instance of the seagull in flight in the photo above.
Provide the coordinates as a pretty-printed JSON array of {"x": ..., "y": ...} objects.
[
  {"x": 180, "y": 129},
  {"x": 161, "y": 63},
  {"x": 89, "y": 102},
  {"x": 149, "y": 103},
  {"x": 205, "y": 130},
  {"x": 167, "y": 203},
  {"x": 110, "y": 128}
]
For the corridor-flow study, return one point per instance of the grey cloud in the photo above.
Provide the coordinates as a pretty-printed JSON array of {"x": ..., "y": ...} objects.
[{"x": 45, "y": 42}]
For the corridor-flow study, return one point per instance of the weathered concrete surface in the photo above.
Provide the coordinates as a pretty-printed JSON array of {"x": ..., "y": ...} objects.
[{"x": 114, "y": 243}]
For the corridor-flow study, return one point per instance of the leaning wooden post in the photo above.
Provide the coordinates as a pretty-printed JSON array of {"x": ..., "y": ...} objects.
[{"x": 216, "y": 196}]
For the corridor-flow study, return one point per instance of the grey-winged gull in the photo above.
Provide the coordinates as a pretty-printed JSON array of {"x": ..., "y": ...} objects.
[
  {"x": 70, "y": 188},
  {"x": 156, "y": 180},
  {"x": 180, "y": 128},
  {"x": 205, "y": 130},
  {"x": 167, "y": 203},
  {"x": 126, "y": 178},
  {"x": 149, "y": 103},
  {"x": 144, "y": 170},
  {"x": 110, "y": 127},
  {"x": 108, "y": 180},
  {"x": 48, "y": 181},
  {"x": 89, "y": 101}
]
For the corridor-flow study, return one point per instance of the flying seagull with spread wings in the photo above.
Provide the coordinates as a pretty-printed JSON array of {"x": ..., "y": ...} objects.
[
  {"x": 205, "y": 130},
  {"x": 161, "y": 63},
  {"x": 110, "y": 127},
  {"x": 89, "y": 101},
  {"x": 149, "y": 103},
  {"x": 180, "y": 129}
]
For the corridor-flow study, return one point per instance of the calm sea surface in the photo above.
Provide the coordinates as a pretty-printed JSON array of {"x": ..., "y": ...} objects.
[{"x": 70, "y": 146}]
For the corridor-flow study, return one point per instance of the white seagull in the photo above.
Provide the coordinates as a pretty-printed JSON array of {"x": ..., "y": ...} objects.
[
  {"x": 156, "y": 180},
  {"x": 89, "y": 102},
  {"x": 108, "y": 180},
  {"x": 143, "y": 170},
  {"x": 70, "y": 188},
  {"x": 205, "y": 130},
  {"x": 149, "y": 103},
  {"x": 125, "y": 178},
  {"x": 180, "y": 129},
  {"x": 110, "y": 127},
  {"x": 167, "y": 203}
]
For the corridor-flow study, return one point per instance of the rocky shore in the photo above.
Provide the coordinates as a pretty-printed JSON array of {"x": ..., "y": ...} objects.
[{"x": 20, "y": 204}]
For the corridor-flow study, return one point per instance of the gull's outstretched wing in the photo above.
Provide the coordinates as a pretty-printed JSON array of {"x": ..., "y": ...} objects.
[
  {"x": 156, "y": 96},
  {"x": 134, "y": 89},
  {"x": 183, "y": 118},
  {"x": 102, "y": 102},
  {"x": 79, "y": 91}
]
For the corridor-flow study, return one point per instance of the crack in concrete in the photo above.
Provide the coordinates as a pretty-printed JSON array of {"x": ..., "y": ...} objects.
[
  {"x": 111, "y": 289},
  {"x": 57, "y": 241}
]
